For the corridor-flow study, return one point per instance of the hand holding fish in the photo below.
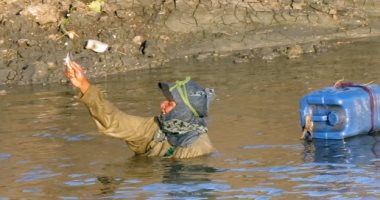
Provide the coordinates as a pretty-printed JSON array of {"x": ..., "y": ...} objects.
[{"x": 75, "y": 73}]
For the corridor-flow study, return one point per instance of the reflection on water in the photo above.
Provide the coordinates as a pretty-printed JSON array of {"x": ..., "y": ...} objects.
[
  {"x": 176, "y": 179},
  {"x": 357, "y": 150},
  {"x": 342, "y": 167},
  {"x": 50, "y": 149}
]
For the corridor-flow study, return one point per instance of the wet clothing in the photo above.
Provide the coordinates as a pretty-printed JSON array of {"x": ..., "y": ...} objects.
[{"x": 142, "y": 134}]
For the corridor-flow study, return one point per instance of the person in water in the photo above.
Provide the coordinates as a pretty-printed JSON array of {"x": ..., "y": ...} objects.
[{"x": 180, "y": 131}]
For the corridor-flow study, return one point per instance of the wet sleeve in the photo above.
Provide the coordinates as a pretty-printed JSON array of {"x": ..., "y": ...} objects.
[{"x": 114, "y": 122}]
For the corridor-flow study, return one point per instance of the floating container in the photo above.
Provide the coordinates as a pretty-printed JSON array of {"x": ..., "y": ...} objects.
[{"x": 343, "y": 111}]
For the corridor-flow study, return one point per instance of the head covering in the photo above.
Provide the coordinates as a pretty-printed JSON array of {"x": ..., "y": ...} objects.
[
  {"x": 192, "y": 105},
  {"x": 189, "y": 94}
]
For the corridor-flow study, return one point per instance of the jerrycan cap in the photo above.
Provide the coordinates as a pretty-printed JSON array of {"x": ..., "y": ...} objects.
[{"x": 333, "y": 118}]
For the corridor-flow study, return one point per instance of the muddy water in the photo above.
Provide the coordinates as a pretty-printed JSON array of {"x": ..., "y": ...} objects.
[{"x": 49, "y": 147}]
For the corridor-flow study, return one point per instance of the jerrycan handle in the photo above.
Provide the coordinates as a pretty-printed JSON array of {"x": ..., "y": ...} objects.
[{"x": 332, "y": 118}]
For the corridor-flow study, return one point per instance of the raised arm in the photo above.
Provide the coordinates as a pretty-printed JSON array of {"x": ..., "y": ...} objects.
[{"x": 108, "y": 118}]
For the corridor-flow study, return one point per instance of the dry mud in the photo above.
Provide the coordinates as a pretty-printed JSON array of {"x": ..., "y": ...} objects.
[{"x": 36, "y": 35}]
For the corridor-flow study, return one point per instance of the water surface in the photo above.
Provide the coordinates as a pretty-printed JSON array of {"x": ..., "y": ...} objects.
[{"x": 49, "y": 147}]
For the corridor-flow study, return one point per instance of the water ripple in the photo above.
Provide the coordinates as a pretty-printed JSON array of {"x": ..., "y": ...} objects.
[
  {"x": 247, "y": 196},
  {"x": 79, "y": 182},
  {"x": 65, "y": 136},
  {"x": 269, "y": 169},
  {"x": 69, "y": 198},
  {"x": 320, "y": 193},
  {"x": 165, "y": 188},
  {"x": 265, "y": 146},
  {"x": 32, "y": 190},
  {"x": 4, "y": 156},
  {"x": 327, "y": 178},
  {"x": 269, "y": 191},
  {"x": 37, "y": 174},
  {"x": 80, "y": 137},
  {"x": 123, "y": 195},
  {"x": 316, "y": 164},
  {"x": 340, "y": 197}
]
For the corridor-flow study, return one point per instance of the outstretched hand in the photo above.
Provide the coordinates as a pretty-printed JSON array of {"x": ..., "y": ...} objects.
[{"x": 75, "y": 73}]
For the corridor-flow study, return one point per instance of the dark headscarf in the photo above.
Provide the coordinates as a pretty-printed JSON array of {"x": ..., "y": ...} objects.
[{"x": 186, "y": 121}]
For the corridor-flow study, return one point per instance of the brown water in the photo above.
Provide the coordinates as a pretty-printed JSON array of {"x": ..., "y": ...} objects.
[{"x": 49, "y": 147}]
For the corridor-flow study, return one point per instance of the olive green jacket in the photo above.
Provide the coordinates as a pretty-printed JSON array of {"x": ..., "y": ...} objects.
[{"x": 137, "y": 132}]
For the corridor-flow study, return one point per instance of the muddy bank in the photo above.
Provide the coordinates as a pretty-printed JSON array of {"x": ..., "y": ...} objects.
[{"x": 36, "y": 35}]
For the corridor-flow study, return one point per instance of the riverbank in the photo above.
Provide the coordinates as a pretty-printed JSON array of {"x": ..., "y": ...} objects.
[{"x": 142, "y": 34}]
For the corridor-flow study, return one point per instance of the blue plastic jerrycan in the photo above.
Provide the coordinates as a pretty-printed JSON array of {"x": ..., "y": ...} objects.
[{"x": 342, "y": 111}]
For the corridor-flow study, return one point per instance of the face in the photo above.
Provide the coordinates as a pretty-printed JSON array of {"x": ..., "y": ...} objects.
[{"x": 167, "y": 106}]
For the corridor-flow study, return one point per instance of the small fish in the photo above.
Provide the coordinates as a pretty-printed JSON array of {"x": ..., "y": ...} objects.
[{"x": 67, "y": 60}]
